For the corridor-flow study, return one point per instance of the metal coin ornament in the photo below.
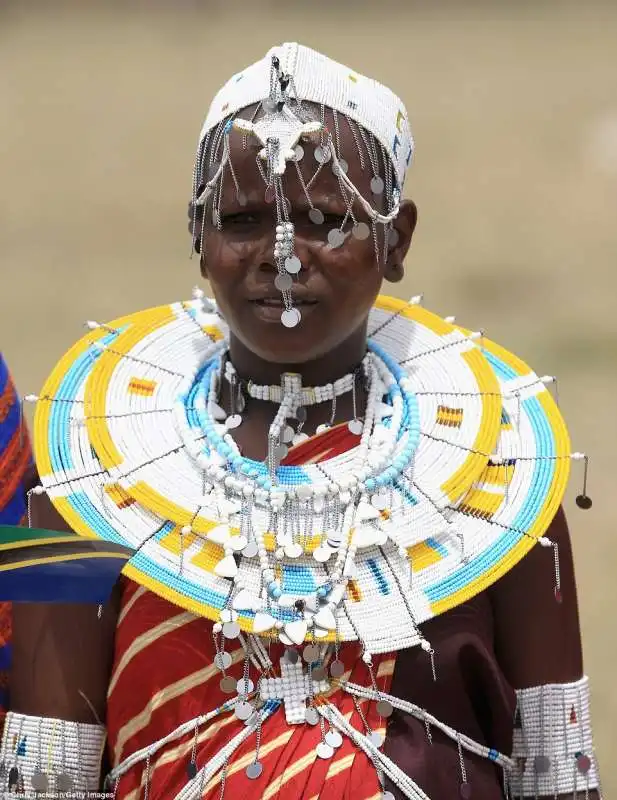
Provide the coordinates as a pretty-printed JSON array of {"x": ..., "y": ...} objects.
[
  {"x": 191, "y": 770},
  {"x": 376, "y": 738},
  {"x": 337, "y": 669},
  {"x": 291, "y": 656},
  {"x": 336, "y": 238},
  {"x": 269, "y": 194},
  {"x": 324, "y": 750},
  {"x": 293, "y": 265},
  {"x": 334, "y": 739},
  {"x": 319, "y": 674},
  {"x": 233, "y": 421},
  {"x": 584, "y": 501},
  {"x": 228, "y": 684},
  {"x": 316, "y": 216},
  {"x": 393, "y": 237},
  {"x": 311, "y": 715},
  {"x": 361, "y": 231},
  {"x": 291, "y": 317},
  {"x": 287, "y": 434},
  {"x": 243, "y": 710},
  {"x": 231, "y": 630},
  {"x": 299, "y": 152},
  {"x": 244, "y": 687},
  {"x": 356, "y": 426},
  {"x": 341, "y": 167},
  {"x": 222, "y": 660},
  {"x": 64, "y": 782},
  {"x": 541, "y": 764},
  {"x": 322, "y": 154},
  {"x": 388, "y": 796},
  {"x": 377, "y": 185},
  {"x": 251, "y": 550},
  {"x": 384, "y": 708},
  {"x": 39, "y": 781},
  {"x": 254, "y": 770},
  {"x": 583, "y": 763},
  {"x": 311, "y": 653},
  {"x": 283, "y": 282},
  {"x": 242, "y": 199},
  {"x": 465, "y": 791}
]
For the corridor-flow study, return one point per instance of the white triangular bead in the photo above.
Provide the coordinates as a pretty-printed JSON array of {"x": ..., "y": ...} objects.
[
  {"x": 263, "y": 622},
  {"x": 325, "y": 619},
  {"x": 296, "y": 631},
  {"x": 226, "y": 567}
]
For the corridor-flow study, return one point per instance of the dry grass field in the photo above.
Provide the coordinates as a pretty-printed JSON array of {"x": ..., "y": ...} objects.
[{"x": 514, "y": 108}]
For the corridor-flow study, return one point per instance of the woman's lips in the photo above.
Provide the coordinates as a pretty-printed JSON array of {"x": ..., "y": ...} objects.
[{"x": 269, "y": 309}]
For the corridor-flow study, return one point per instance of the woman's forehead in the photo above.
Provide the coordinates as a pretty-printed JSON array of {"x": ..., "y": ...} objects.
[{"x": 307, "y": 174}]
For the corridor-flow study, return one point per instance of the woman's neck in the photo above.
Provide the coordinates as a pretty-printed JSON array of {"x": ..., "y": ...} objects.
[{"x": 341, "y": 360}]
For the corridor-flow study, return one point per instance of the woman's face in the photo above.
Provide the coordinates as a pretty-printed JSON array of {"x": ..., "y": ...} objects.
[{"x": 336, "y": 287}]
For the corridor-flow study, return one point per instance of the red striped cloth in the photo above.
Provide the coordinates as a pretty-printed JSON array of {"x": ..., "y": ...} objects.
[{"x": 164, "y": 675}]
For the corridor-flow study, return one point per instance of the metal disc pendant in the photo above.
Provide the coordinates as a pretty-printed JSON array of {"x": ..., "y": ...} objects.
[
  {"x": 356, "y": 426},
  {"x": 39, "y": 781},
  {"x": 541, "y": 764},
  {"x": 291, "y": 656},
  {"x": 322, "y": 154},
  {"x": 341, "y": 168},
  {"x": 242, "y": 199},
  {"x": 293, "y": 265},
  {"x": 334, "y": 739},
  {"x": 64, "y": 782},
  {"x": 293, "y": 550},
  {"x": 319, "y": 674},
  {"x": 280, "y": 451},
  {"x": 243, "y": 710},
  {"x": 222, "y": 660},
  {"x": 584, "y": 501},
  {"x": 583, "y": 763},
  {"x": 269, "y": 195},
  {"x": 233, "y": 421},
  {"x": 301, "y": 414},
  {"x": 228, "y": 684},
  {"x": 283, "y": 282},
  {"x": 324, "y": 750},
  {"x": 291, "y": 317},
  {"x": 384, "y": 708},
  {"x": 231, "y": 630},
  {"x": 299, "y": 152},
  {"x": 311, "y": 715},
  {"x": 254, "y": 770},
  {"x": 322, "y": 554},
  {"x": 337, "y": 669},
  {"x": 336, "y": 237},
  {"x": 251, "y": 550},
  {"x": 245, "y": 687},
  {"x": 360, "y": 231},
  {"x": 311, "y": 653},
  {"x": 287, "y": 434},
  {"x": 376, "y": 739},
  {"x": 393, "y": 237},
  {"x": 268, "y": 105},
  {"x": 191, "y": 769},
  {"x": 465, "y": 791},
  {"x": 388, "y": 796},
  {"x": 316, "y": 216},
  {"x": 377, "y": 185}
]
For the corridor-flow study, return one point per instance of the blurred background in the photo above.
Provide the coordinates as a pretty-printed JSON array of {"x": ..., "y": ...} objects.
[{"x": 514, "y": 109}]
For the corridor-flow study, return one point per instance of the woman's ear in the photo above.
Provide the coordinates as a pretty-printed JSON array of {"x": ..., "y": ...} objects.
[{"x": 404, "y": 226}]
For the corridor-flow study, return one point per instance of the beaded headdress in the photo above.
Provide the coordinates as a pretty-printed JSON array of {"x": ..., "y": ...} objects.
[{"x": 277, "y": 89}]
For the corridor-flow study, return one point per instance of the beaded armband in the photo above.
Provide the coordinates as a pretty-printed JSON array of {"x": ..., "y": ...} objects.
[
  {"x": 552, "y": 746},
  {"x": 45, "y": 755}
]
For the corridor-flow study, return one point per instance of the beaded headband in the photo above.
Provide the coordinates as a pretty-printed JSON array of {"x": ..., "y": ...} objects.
[
  {"x": 278, "y": 86},
  {"x": 465, "y": 466}
]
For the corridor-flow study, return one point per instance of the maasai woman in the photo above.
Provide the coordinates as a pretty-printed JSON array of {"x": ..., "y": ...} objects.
[{"x": 333, "y": 498}]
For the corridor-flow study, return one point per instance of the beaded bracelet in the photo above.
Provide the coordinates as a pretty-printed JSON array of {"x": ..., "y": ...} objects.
[
  {"x": 49, "y": 755},
  {"x": 552, "y": 745}
]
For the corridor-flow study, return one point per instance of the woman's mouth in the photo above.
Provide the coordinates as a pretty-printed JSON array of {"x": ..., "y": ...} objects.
[{"x": 269, "y": 309}]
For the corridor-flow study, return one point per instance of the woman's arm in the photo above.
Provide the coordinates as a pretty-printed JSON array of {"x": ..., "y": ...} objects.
[
  {"x": 61, "y": 663},
  {"x": 538, "y": 645}
]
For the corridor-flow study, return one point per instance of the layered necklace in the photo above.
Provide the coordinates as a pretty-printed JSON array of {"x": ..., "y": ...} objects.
[{"x": 329, "y": 509}]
